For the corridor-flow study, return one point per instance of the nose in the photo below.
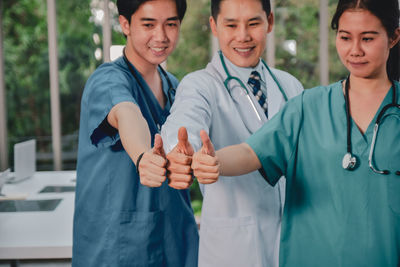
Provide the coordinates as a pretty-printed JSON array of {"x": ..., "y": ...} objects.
[
  {"x": 160, "y": 34},
  {"x": 242, "y": 34},
  {"x": 356, "y": 49}
]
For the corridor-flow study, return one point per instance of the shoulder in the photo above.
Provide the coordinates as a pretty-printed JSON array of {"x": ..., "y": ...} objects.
[
  {"x": 199, "y": 75},
  {"x": 283, "y": 74},
  {"x": 318, "y": 97},
  {"x": 110, "y": 72},
  {"x": 108, "y": 81},
  {"x": 290, "y": 84},
  {"x": 319, "y": 94},
  {"x": 200, "y": 80},
  {"x": 322, "y": 91}
]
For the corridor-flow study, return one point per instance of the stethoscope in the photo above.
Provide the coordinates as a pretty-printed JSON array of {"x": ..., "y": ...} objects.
[
  {"x": 349, "y": 160},
  {"x": 229, "y": 78},
  {"x": 171, "y": 90}
]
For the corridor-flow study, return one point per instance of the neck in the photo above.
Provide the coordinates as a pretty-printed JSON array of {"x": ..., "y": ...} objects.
[
  {"x": 370, "y": 85},
  {"x": 145, "y": 68}
]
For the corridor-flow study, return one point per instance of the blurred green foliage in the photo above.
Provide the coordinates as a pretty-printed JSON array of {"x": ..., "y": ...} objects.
[
  {"x": 27, "y": 66},
  {"x": 193, "y": 50},
  {"x": 299, "y": 20}
]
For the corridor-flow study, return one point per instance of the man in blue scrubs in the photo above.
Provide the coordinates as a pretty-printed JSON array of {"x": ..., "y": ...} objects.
[{"x": 121, "y": 218}]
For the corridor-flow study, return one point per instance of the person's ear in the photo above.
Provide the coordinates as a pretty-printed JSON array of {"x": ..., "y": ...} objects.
[
  {"x": 213, "y": 25},
  {"x": 395, "y": 38},
  {"x": 124, "y": 25},
  {"x": 270, "y": 20}
]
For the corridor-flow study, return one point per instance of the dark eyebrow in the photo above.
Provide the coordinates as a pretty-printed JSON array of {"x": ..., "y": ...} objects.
[
  {"x": 151, "y": 19},
  {"x": 255, "y": 18},
  {"x": 173, "y": 18},
  {"x": 370, "y": 32},
  {"x": 227, "y": 20},
  {"x": 366, "y": 32},
  {"x": 147, "y": 19}
]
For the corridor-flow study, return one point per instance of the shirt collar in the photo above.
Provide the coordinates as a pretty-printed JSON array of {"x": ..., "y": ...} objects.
[{"x": 244, "y": 73}]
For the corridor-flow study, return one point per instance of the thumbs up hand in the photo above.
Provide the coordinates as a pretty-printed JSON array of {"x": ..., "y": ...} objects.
[
  {"x": 152, "y": 165},
  {"x": 179, "y": 161},
  {"x": 205, "y": 163}
]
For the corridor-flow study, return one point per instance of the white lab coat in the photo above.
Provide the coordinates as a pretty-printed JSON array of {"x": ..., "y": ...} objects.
[{"x": 241, "y": 216}]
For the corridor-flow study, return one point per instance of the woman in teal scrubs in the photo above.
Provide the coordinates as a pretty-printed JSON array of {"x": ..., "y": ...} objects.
[
  {"x": 121, "y": 218},
  {"x": 339, "y": 211}
]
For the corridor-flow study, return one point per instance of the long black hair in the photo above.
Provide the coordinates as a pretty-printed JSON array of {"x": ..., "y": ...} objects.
[{"x": 387, "y": 11}]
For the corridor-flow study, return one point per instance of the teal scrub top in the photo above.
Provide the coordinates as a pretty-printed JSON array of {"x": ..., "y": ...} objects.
[
  {"x": 333, "y": 217},
  {"x": 117, "y": 220}
]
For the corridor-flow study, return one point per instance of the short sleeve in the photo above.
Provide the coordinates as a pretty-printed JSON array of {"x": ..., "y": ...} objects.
[
  {"x": 107, "y": 87},
  {"x": 276, "y": 142}
]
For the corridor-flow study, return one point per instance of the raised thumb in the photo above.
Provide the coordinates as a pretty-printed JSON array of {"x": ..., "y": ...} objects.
[
  {"x": 208, "y": 147},
  {"x": 183, "y": 142},
  {"x": 158, "y": 146}
]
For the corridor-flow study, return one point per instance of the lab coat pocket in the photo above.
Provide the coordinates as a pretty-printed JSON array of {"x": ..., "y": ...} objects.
[
  {"x": 394, "y": 193},
  {"x": 141, "y": 239},
  {"x": 229, "y": 242}
]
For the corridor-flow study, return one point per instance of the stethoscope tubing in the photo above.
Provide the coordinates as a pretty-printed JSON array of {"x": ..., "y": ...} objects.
[
  {"x": 375, "y": 131},
  {"x": 229, "y": 78},
  {"x": 171, "y": 89}
]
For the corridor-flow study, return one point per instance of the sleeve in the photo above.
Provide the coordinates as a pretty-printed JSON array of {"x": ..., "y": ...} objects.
[
  {"x": 192, "y": 109},
  {"x": 275, "y": 144},
  {"x": 106, "y": 88}
]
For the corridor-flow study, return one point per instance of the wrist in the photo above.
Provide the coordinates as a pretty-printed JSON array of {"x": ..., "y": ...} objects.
[{"x": 138, "y": 161}]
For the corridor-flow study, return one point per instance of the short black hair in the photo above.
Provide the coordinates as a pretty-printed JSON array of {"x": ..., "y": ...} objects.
[
  {"x": 388, "y": 13},
  {"x": 127, "y": 8},
  {"x": 215, "y": 7}
]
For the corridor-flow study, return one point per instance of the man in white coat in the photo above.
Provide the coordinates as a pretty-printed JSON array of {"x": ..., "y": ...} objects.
[{"x": 240, "y": 220}]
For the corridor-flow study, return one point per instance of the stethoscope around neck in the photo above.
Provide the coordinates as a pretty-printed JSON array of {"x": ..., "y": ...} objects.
[
  {"x": 349, "y": 160},
  {"x": 230, "y": 78},
  {"x": 171, "y": 89}
]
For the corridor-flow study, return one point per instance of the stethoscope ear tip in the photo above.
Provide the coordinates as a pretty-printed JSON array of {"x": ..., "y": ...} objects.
[{"x": 398, "y": 173}]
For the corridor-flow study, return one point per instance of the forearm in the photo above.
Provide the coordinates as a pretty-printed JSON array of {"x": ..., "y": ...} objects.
[
  {"x": 237, "y": 160},
  {"x": 132, "y": 128}
]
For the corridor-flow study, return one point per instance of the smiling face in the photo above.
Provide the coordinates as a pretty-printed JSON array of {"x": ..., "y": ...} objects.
[
  {"x": 363, "y": 44},
  {"x": 241, "y": 28},
  {"x": 152, "y": 34}
]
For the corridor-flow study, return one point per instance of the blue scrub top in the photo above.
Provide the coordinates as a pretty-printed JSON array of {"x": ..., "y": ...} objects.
[
  {"x": 117, "y": 220},
  {"x": 333, "y": 217}
]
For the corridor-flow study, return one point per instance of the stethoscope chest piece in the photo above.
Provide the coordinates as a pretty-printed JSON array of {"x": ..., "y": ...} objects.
[{"x": 349, "y": 161}]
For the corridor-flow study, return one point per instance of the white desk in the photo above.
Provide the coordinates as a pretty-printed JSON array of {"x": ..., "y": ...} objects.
[{"x": 39, "y": 235}]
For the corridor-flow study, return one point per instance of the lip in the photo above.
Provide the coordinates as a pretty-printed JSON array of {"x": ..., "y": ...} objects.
[
  {"x": 158, "y": 51},
  {"x": 357, "y": 64},
  {"x": 244, "y": 51}
]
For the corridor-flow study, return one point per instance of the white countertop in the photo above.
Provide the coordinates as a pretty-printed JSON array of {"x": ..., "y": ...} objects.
[{"x": 39, "y": 234}]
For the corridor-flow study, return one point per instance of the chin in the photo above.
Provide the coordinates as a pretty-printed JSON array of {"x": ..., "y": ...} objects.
[
  {"x": 245, "y": 63},
  {"x": 158, "y": 61}
]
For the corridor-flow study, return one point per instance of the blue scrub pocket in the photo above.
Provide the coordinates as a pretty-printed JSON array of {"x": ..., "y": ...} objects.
[
  {"x": 141, "y": 239},
  {"x": 394, "y": 193}
]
